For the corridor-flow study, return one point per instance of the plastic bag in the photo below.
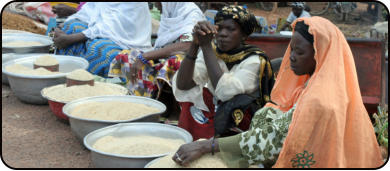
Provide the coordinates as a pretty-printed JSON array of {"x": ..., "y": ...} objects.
[{"x": 39, "y": 11}]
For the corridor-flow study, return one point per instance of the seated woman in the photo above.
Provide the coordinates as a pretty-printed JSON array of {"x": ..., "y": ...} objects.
[
  {"x": 147, "y": 72},
  {"x": 100, "y": 30},
  {"x": 220, "y": 72},
  {"x": 318, "y": 119}
]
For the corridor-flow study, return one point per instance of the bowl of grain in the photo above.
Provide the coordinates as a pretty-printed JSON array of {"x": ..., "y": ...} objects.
[
  {"x": 27, "y": 82},
  {"x": 205, "y": 161},
  {"x": 133, "y": 145},
  {"x": 59, "y": 95},
  {"x": 5, "y": 57},
  {"x": 88, "y": 114},
  {"x": 25, "y": 43}
]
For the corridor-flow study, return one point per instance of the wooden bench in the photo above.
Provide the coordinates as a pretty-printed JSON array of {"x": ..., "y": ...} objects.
[{"x": 369, "y": 58}]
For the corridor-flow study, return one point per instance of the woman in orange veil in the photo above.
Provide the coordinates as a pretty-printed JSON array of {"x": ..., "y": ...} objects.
[{"x": 317, "y": 120}]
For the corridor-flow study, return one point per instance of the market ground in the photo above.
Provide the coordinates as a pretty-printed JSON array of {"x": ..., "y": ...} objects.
[{"x": 32, "y": 136}]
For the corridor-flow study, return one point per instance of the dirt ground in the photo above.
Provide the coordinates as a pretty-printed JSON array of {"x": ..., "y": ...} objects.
[{"x": 32, "y": 136}]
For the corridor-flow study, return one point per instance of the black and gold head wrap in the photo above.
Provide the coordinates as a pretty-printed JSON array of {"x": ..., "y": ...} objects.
[{"x": 246, "y": 20}]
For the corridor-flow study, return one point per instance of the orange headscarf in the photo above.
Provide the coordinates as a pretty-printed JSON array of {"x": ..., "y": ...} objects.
[{"x": 330, "y": 127}]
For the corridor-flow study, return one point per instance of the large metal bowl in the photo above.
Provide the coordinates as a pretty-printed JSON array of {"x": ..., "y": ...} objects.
[
  {"x": 9, "y": 37},
  {"x": 106, "y": 160},
  {"x": 82, "y": 126},
  {"x": 11, "y": 56},
  {"x": 28, "y": 87}
]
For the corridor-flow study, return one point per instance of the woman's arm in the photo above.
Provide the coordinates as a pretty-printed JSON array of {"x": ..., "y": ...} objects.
[
  {"x": 213, "y": 69},
  {"x": 186, "y": 71},
  {"x": 191, "y": 151},
  {"x": 167, "y": 51},
  {"x": 63, "y": 40}
]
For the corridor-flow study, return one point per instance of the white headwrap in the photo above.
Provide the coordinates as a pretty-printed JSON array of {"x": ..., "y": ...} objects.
[
  {"x": 128, "y": 24},
  {"x": 177, "y": 18}
]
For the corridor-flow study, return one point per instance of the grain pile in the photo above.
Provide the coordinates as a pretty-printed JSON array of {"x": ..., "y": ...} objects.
[
  {"x": 112, "y": 110},
  {"x": 141, "y": 145},
  {"x": 21, "y": 69},
  {"x": 206, "y": 161},
  {"x": 20, "y": 22},
  {"x": 46, "y": 60},
  {"x": 65, "y": 94},
  {"x": 22, "y": 44},
  {"x": 80, "y": 75}
]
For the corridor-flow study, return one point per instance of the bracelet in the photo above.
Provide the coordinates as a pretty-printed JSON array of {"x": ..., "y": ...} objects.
[
  {"x": 212, "y": 146},
  {"x": 141, "y": 57},
  {"x": 191, "y": 57}
]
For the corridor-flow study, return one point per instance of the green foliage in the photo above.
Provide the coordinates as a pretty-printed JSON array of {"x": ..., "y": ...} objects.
[{"x": 381, "y": 126}]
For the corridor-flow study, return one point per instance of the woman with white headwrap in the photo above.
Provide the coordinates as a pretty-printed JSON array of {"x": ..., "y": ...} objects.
[
  {"x": 100, "y": 30},
  {"x": 146, "y": 72}
]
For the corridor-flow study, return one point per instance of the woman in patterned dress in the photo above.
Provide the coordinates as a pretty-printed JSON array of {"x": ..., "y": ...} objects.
[
  {"x": 145, "y": 73},
  {"x": 317, "y": 118}
]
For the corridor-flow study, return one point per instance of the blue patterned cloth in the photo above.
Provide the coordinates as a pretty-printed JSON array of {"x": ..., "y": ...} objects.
[{"x": 99, "y": 52}]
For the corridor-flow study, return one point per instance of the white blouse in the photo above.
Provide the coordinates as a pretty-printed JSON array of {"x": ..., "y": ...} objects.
[{"x": 243, "y": 78}]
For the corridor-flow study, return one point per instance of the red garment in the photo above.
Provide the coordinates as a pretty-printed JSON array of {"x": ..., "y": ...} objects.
[{"x": 197, "y": 130}]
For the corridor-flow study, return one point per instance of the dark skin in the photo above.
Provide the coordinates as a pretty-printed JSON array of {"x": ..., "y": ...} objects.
[
  {"x": 63, "y": 10},
  {"x": 63, "y": 40},
  {"x": 229, "y": 36},
  {"x": 302, "y": 62},
  {"x": 161, "y": 53},
  {"x": 302, "y": 55},
  {"x": 297, "y": 12}
]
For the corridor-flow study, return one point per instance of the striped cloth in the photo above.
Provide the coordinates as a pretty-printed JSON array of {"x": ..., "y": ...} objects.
[{"x": 99, "y": 52}]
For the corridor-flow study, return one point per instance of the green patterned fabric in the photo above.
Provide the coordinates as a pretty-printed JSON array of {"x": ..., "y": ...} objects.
[{"x": 261, "y": 144}]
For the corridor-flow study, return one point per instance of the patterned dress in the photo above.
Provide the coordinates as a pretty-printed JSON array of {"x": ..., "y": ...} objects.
[
  {"x": 261, "y": 144},
  {"x": 152, "y": 76},
  {"x": 98, "y": 52}
]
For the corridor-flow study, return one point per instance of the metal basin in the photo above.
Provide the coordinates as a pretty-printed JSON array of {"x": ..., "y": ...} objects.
[
  {"x": 11, "y": 56},
  {"x": 9, "y": 37},
  {"x": 106, "y": 160},
  {"x": 28, "y": 87},
  {"x": 82, "y": 126}
]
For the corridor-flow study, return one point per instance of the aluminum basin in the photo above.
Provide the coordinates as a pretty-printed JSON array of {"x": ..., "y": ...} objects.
[
  {"x": 106, "y": 160},
  {"x": 9, "y": 37},
  {"x": 28, "y": 88},
  {"x": 82, "y": 126},
  {"x": 11, "y": 56}
]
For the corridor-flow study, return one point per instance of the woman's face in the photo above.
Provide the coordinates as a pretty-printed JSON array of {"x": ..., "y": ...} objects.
[
  {"x": 302, "y": 55},
  {"x": 229, "y": 35}
]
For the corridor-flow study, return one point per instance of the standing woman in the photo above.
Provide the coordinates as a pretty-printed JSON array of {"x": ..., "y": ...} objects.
[
  {"x": 319, "y": 120},
  {"x": 220, "y": 71},
  {"x": 146, "y": 73},
  {"x": 100, "y": 30}
]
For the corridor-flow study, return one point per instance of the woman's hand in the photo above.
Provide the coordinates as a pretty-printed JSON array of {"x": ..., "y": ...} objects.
[
  {"x": 61, "y": 39},
  {"x": 191, "y": 151},
  {"x": 204, "y": 32},
  {"x": 135, "y": 68}
]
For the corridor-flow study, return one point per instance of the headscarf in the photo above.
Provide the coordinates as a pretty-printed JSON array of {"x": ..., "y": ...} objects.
[
  {"x": 303, "y": 29},
  {"x": 300, "y": 5},
  {"x": 330, "y": 126},
  {"x": 241, "y": 15},
  {"x": 128, "y": 24},
  {"x": 177, "y": 18}
]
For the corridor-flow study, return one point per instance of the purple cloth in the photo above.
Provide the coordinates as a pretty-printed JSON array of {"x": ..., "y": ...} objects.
[{"x": 80, "y": 5}]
